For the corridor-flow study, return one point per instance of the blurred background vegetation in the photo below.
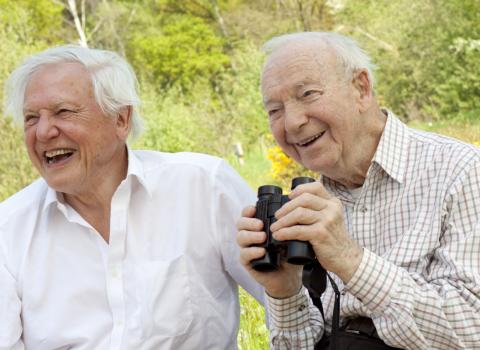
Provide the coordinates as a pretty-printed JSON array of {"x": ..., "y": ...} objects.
[{"x": 198, "y": 63}]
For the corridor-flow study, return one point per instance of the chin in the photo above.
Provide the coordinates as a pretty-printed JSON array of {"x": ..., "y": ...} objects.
[
  {"x": 60, "y": 184},
  {"x": 320, "y": 167}
]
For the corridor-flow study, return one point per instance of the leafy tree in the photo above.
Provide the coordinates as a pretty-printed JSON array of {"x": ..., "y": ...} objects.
[
  {"x": 181, "y": 51},
  {"x": 26, "y": 26},
  {"x": 16, "y": 170},
  {"x": 426, "y": 51}
]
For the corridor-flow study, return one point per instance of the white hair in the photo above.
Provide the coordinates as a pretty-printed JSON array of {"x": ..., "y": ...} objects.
[
  {"x": 113, "y": 80},
  {"x": 350, "y": 55}
]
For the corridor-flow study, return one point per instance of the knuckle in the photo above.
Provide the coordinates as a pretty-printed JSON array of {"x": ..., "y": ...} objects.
[
  {"x": 309, "y": 199},
  {"x": 240, "y": 238}
]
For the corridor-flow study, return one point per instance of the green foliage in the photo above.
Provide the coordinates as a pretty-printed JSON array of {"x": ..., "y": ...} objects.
[
  {"x": 199, "y": 62},
  {"x": 427, "y": 52},
  {"x": 179, "y": 52},
  {"x": 172, "y": 123},
  {"x": 253, "y": 333},
  {"x": 26, "y": 26},
  {"x": 15, "y": 168},
  {"x": 31, "y": 20},
  {"x": 457, "y": 95},
  {"x": 199, "y": 118}
]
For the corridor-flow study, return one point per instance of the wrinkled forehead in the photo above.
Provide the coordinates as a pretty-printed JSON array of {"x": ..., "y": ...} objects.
[
  {"x": 57, "y": 82},
  {"x": 306, "y": 60}
]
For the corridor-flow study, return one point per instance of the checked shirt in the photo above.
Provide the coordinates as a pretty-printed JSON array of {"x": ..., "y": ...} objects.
[{"x": 418, "y": 219}]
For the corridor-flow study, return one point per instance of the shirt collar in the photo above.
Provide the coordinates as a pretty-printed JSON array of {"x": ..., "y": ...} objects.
[
  {"x": 51, "y": 197},
  {"x": 392, "y": 150},
  {"x": 135, "y": 170}
]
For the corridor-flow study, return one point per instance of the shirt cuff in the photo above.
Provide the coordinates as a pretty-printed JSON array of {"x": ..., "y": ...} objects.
[
  {"x": 373, "y": 283},
  {"x": 289, "y": 314}
]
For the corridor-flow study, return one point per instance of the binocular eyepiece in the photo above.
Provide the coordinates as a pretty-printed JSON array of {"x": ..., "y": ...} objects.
[{"x": 270, "y": 199}]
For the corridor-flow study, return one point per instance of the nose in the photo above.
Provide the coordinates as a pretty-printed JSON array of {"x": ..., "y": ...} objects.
[
  {"x": 295, "y": 116},
  {"x": 46, "y": 128}
]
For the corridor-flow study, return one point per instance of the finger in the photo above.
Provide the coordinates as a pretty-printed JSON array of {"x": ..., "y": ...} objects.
[
  {"x": 297, "y": 232},
  {"x": 251, "y": 253},
  {"x": 248, "y": 212},
  {"x": 298, "y": 216},
  {"x": 248, "y": 238},
  {"x": 315, "y": 188},
  {"x": 249, "y": 224},
  {"x": 305, "y": 200}
]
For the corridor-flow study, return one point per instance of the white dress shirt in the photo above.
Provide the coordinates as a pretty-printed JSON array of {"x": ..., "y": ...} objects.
[
  {"x": 167, "y": 279},
  {"x": 418, "y": 218}
]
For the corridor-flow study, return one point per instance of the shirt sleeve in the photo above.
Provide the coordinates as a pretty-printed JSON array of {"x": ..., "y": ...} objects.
[
  {"x": 295, "y": 322},
  {"x": 231, "y": 195},
  {"x": 438, "y": 309},
  {"x": 10, "y": 309}
]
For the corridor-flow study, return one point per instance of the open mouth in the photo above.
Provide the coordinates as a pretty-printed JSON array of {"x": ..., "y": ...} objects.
[
  {"x": 310, "y": 140},
  {"x": 57, "y": 155}
]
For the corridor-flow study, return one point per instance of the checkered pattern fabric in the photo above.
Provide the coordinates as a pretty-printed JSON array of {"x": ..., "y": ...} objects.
[{"x": 418, "y": 219}]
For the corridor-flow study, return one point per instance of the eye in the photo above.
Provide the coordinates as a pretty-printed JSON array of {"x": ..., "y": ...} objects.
[
  {"x": 309, "y": 93},
  {"x": 30, "y": 119},
  {"x": 63, "y": 111},
  {"x": 273, "y": 113}
]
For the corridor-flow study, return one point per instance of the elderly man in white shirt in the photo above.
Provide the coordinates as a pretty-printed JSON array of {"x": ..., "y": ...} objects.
[{"x": 113, "y": 248}]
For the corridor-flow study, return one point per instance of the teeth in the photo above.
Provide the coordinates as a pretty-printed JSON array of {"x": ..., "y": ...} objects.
[
  {"x": 57, "y": 152},
  {"x": 313, "y": 138}
]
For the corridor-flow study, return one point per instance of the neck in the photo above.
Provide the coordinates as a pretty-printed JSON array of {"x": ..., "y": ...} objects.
[
  {"x": 93, "y": 203},
  {"x": 365, "y": 147}
]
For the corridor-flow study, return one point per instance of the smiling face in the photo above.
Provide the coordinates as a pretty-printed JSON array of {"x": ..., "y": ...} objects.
[
  {"x": 71, "y": 142},
  {"x": 314, "y": 110}
]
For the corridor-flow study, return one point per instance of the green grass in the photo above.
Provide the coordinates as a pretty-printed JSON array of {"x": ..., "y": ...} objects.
[
  {"x": 468, "y": 131},
  {"x": 256, "y": 167},
  {"x": 253, "y": 333}
]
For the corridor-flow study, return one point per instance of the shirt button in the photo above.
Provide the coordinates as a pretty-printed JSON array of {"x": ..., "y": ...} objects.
[
  {"x": 302, "y": 307},
  {"x": 363, "y": 209}
]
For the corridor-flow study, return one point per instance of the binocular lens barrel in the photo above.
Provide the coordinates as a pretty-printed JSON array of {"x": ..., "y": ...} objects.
[
  {"x": 300, "y": 253},
  {"x": 301, "y": 180},
  {"x": 269, "y": 262}
]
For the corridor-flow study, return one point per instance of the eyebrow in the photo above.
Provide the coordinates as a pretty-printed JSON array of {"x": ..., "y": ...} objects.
[
  {"x": 54, "y": 106},
  {"x": 298, "y": 86}
]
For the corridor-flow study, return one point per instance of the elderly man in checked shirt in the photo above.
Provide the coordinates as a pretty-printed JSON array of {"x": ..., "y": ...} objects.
[{"x": 394, "y": 218}]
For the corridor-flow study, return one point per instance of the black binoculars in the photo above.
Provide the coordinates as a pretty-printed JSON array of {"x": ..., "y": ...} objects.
[{"x": 270, "y": 199}]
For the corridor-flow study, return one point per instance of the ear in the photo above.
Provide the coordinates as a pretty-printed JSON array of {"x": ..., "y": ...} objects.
[
  {"x": 123, "y": 122},
  {"x": 363, "y": 86}
]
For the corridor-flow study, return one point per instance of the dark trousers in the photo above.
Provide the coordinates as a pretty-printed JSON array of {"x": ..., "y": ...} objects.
[{"x": 357, "y": 334}]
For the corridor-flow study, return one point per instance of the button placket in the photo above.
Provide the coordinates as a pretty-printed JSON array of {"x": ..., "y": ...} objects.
[{"x": 115, "y": 282}]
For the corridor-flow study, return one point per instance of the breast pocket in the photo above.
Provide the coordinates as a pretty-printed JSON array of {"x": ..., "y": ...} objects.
[{"x": 165, "y": 298}]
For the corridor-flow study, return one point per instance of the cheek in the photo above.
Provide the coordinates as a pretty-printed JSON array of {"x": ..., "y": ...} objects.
[
  {"x": 278, "y": 131},
  {"x": 29, "y": 139}
]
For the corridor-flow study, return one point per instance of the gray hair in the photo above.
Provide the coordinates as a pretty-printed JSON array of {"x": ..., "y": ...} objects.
[
  {"x": 350, "y": 55},
  {"x": 113, "y": 79}
]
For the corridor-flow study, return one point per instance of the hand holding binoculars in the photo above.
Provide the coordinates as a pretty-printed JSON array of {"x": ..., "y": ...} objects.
[{"x": 270, "y": 199}]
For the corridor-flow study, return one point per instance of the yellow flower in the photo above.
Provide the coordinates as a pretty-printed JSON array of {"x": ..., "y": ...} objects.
[{"x": 284, "y": 169}]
